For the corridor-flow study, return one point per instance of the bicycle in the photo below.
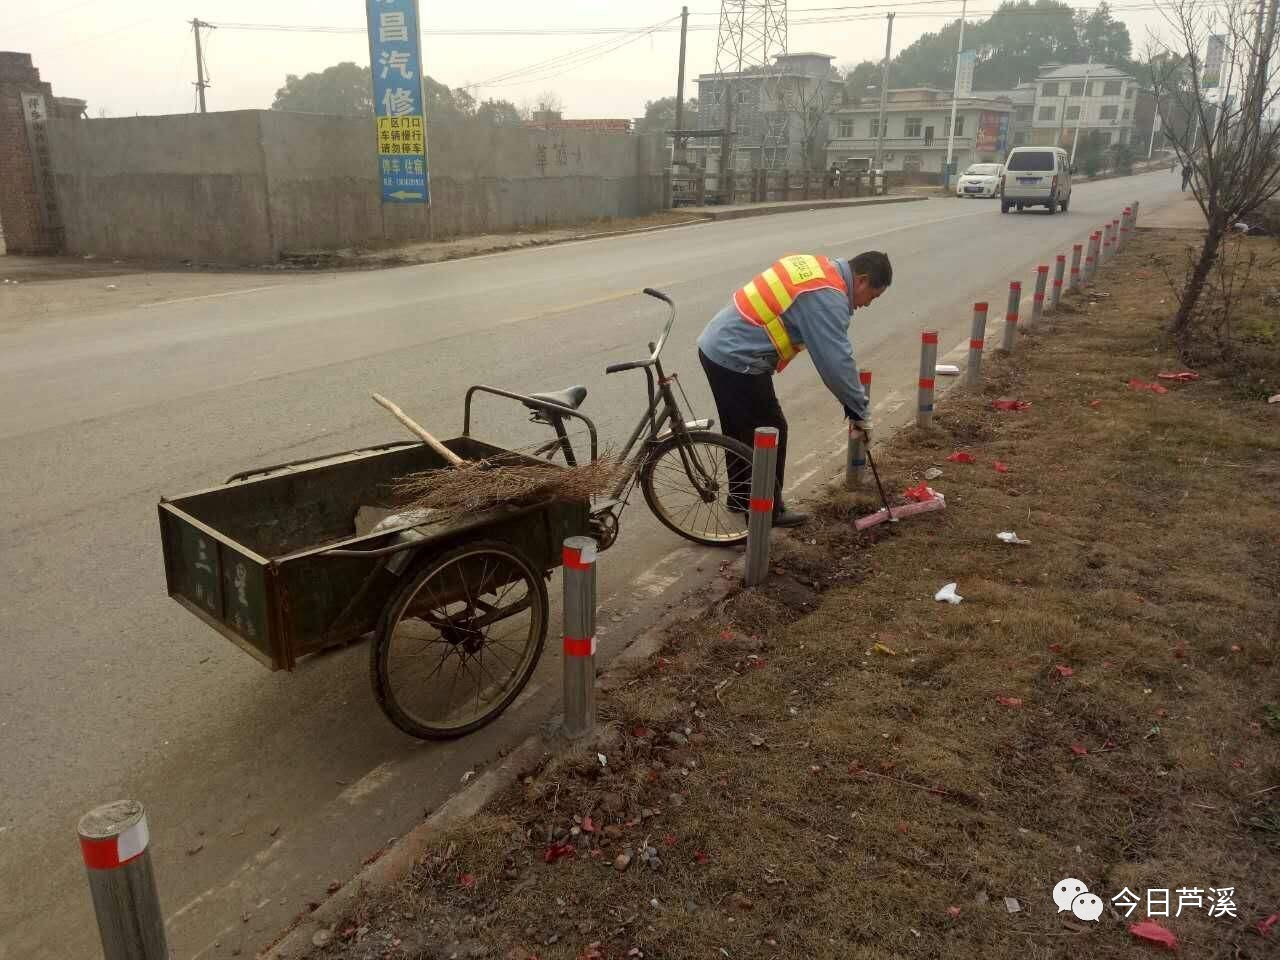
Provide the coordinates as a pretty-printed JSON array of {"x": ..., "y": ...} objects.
[{"x": 668, "y": 456}]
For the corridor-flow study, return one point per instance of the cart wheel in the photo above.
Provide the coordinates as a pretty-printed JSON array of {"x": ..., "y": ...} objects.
[{"x": 459, "y": 640}]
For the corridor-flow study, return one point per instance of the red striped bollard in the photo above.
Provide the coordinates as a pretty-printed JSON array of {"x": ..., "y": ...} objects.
[
  {"x": 764, "y": 466},
  {"x": 1115, "y": 236},
  {"x": 1106, "y": 244},
  {"x": 856, "y": 462},
  {"x": 1011, "y": 316},
  {"x": 928, "y": 370},
  {"x": 1037, "y": 298},
  {"x": 977, "y": 340},
  {"x": 115, "y": 844},
  {"x": 1059, "y": 274},
  {"x": 1077, "y": 250},
  {"x": 1126, "y": 230},
  {"x": 579, "y": 615},
  {"x": 1091, "y": 259}
]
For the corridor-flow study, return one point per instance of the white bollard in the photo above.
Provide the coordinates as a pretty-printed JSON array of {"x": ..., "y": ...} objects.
[
  {"x": 928, "y": 371},
  {"x": 1011, "y": 317},
  {"x": 115, "y": 844},
  {"x": 764, "y": 464},
  {"x": 977, "y": 341},
  {"x": 579, "y": 615},
  {"x": 1059, "y": 273}
]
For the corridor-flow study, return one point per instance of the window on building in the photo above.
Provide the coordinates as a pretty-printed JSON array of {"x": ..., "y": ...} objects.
[
  {"x": 1104, "y": 137},
  {"x": 875, "y": 126},
  {"x": 1109, "y": 112},
  {"x": 1024, "y": 114},
  {"x": 912, "y": 163},
  {"x": 844, "y": 128},
  {"x": 946, "y": 126},
  {"x": 1049, "y": 90},
  {"x": 742, "y": 96},
  {"x": 1095, "y": 89},
  {"x": 1048, "y": 113},
  {"x": 1112, "y": 88},
  {"x": 1073, "y": 113},
  {"x": 914, "y": 126},
  {"x": 1127, "y": 114},
  {"x": 1124, "y": 135},
  {"x": 1077, "y": 88}
]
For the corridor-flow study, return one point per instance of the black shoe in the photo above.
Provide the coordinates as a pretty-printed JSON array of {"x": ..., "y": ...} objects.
[{"x": 789, "y": 518}]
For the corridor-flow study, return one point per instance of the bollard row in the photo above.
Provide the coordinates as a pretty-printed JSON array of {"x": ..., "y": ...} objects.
[{"x": 764, "y": 462}]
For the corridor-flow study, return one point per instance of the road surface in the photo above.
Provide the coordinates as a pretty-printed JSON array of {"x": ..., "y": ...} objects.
[{"x": 264, "y": 787}]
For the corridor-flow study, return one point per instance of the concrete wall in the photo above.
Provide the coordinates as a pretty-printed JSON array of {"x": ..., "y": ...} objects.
[{"x": 247, "y": 186}]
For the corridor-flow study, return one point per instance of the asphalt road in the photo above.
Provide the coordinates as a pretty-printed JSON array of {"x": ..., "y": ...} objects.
[{"x": 263, "y": 787}]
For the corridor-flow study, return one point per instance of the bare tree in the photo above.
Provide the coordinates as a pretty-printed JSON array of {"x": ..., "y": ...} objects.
[
  {"x": 1226, "y": 134},
  {"x": 550, "y": 102},
  {"x": 811, "y": 100}
]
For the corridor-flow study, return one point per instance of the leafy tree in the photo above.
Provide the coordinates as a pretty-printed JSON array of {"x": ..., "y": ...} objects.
[
  {"x": 1104, "y": 37},
  {"x": 858, "y": 77},
  {"x": 660, "y": 115},
  {"x": 344, "y": 89},
  {"x": 1122, "y": 158}
]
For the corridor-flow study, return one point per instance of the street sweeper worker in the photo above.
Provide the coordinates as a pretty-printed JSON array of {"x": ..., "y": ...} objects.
[{"x": 802, "y": 302}]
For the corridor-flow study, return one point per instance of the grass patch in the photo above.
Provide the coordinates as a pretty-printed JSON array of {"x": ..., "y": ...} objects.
[{"x": 1103, "y": 705}]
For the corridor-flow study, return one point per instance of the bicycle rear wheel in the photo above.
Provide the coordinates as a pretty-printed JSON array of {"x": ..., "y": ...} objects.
[{"x": 686, "y": 483}]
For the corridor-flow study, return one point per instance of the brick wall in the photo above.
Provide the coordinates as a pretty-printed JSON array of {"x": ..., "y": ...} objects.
[{"x": 23, "y": 227}]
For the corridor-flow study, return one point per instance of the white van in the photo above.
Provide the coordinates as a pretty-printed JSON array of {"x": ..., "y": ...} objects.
[{"x": 1036, "y": 177}]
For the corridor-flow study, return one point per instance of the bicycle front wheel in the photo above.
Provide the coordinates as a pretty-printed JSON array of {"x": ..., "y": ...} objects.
[{"x": 699, "y": 485}]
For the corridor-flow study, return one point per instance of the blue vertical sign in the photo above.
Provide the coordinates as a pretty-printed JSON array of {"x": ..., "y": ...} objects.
[{"x": 395, "y": 55}]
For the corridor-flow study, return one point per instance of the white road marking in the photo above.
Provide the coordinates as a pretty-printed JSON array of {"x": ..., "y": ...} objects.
[
  {"x": 905, "y": 226},
  {"x": 892, "y": 403},
  {"x": 791, "y": 487},
  {"x": 375, "y": 779},
  {"x": 208, "y": 296}
]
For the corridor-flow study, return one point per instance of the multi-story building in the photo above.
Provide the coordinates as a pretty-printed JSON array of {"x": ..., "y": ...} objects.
[
  {"x": 1092, "y": 97},
  {"x": 917, "y": 122},
  {"x": 779, "y": 113}
]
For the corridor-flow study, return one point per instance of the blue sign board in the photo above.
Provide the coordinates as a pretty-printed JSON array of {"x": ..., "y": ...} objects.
[
  {"x": 1002, "y": 139},
  {"x": 395, "y": 55}
]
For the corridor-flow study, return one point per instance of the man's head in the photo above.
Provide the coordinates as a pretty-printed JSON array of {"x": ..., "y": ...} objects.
[{"x": 872, "y": 274}]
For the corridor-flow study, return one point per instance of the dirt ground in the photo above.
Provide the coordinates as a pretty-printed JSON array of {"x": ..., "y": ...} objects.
[{"x": 838, "y": 766}]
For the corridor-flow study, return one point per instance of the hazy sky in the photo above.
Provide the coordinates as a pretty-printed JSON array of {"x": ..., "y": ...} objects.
[{"x": 137, "y": 56}]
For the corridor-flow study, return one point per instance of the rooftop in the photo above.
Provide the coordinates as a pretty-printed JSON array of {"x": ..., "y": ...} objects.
[{"x": 1073, "y": 71}]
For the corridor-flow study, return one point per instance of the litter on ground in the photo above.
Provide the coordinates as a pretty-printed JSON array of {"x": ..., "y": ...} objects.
[
  {"x": 1010, "y": 405},
  {"x": 948, "y": 594},
  {"x": 1008, "y": 536}
]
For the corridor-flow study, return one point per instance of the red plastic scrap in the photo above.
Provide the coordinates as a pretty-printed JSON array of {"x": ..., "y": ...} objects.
[
  {"x": 559, "y": 851},
  {"x": 1010, "y": 404},
  {"x": 921, "y": 493},
  {"x": 1184, "y": 376},
  {"x": 588, "y": 825},
  {"x": 1079, "y": 749},
  {"x": 467, "y": 881},
  {"x": 1140, "y": 385},
  {"x": 1009, "y": 701},
  {"x": 1000, "y": 466},
  {"x": 961, "y": 457},
  {"x": 1065, "y": 671},
  {"x": 700, "y": 856},
  {"x": 1153, "y": 932},
  {"x": 1095, "y": 404},
  {"x": 1264, "y": 926}
]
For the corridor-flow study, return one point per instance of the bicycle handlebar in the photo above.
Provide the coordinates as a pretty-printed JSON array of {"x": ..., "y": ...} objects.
[{"x": 656, "y": 349}]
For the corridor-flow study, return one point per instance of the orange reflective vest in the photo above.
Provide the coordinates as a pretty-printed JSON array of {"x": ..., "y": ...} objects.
[{"x": 765, "y": 299}]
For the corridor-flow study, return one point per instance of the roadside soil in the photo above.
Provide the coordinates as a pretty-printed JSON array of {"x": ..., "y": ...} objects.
[{"x": 835, "y": 765}]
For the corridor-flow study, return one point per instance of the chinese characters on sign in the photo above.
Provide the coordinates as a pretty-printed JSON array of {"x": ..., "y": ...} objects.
[
  {"x": 396, "y": 58},
  {"x": 36, "y": 115}
]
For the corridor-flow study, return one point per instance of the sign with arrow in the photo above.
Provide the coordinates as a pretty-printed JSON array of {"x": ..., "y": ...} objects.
[{"x": 395, "y": 56}]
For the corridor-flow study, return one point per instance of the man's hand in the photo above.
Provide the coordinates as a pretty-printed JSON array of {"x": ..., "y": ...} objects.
[{"x": 864, "y": 426}]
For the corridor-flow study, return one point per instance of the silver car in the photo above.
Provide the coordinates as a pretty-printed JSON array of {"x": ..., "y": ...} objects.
[{"x": 979, "y": 180}]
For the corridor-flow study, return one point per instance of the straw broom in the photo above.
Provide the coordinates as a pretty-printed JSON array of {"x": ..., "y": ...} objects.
[{"x": 467, "y": 486}]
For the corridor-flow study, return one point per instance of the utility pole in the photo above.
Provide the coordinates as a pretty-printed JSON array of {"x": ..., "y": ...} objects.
[
  {"x": 884, "y": 96},
  {"x": 1084, "y": 106},
  {"x": 1155, "y": 126},
  {"x": 201, "y": 82},
  {"x": 955, "y": 94},
  {"x": 677, "y": 158},
  {"x": 1263, "y": 67}
]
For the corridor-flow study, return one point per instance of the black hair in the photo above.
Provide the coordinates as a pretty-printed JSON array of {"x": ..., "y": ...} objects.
[{"x": 875, "y": 266}]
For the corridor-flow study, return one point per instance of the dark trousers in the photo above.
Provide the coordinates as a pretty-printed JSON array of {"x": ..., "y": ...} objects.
[{"x": 745, "y": 401}]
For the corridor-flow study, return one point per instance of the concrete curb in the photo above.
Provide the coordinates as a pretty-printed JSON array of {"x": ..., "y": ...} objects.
[
  {"x": 466, "y": 803},
  {"x": 762, "y": 210}
]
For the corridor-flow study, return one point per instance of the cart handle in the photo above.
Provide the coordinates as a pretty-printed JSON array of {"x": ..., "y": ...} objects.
[
  {"x": 542, "y": 405},
  {"x": 391, "y": 445}
]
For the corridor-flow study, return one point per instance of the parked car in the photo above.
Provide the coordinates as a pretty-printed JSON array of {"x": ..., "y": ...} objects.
[
  {"x": 979, "y": 180},
  {"x": 1036, "y": 177}
]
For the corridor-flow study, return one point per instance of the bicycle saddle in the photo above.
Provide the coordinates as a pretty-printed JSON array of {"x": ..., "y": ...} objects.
[{"x": 571, "y": 397}]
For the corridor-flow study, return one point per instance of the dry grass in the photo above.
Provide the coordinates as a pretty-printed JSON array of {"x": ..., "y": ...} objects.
[
  {"x": 812, "y": 798},
  {"x": 482, "y": 484}
]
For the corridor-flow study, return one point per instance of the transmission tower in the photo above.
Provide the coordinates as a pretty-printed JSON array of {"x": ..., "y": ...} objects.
[{"x": 752, "y": 35}]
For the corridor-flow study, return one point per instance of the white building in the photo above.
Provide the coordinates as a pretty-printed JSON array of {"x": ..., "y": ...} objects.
[
  {"x": 1093, "y": 97},
  {"x": 917, "y": 121}
]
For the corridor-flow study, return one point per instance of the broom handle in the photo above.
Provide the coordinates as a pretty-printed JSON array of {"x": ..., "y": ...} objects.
[{"x": 416, "y": 429}]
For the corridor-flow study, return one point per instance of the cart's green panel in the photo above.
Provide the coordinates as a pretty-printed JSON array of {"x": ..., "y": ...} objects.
[{"x": 250, "y": 558}]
